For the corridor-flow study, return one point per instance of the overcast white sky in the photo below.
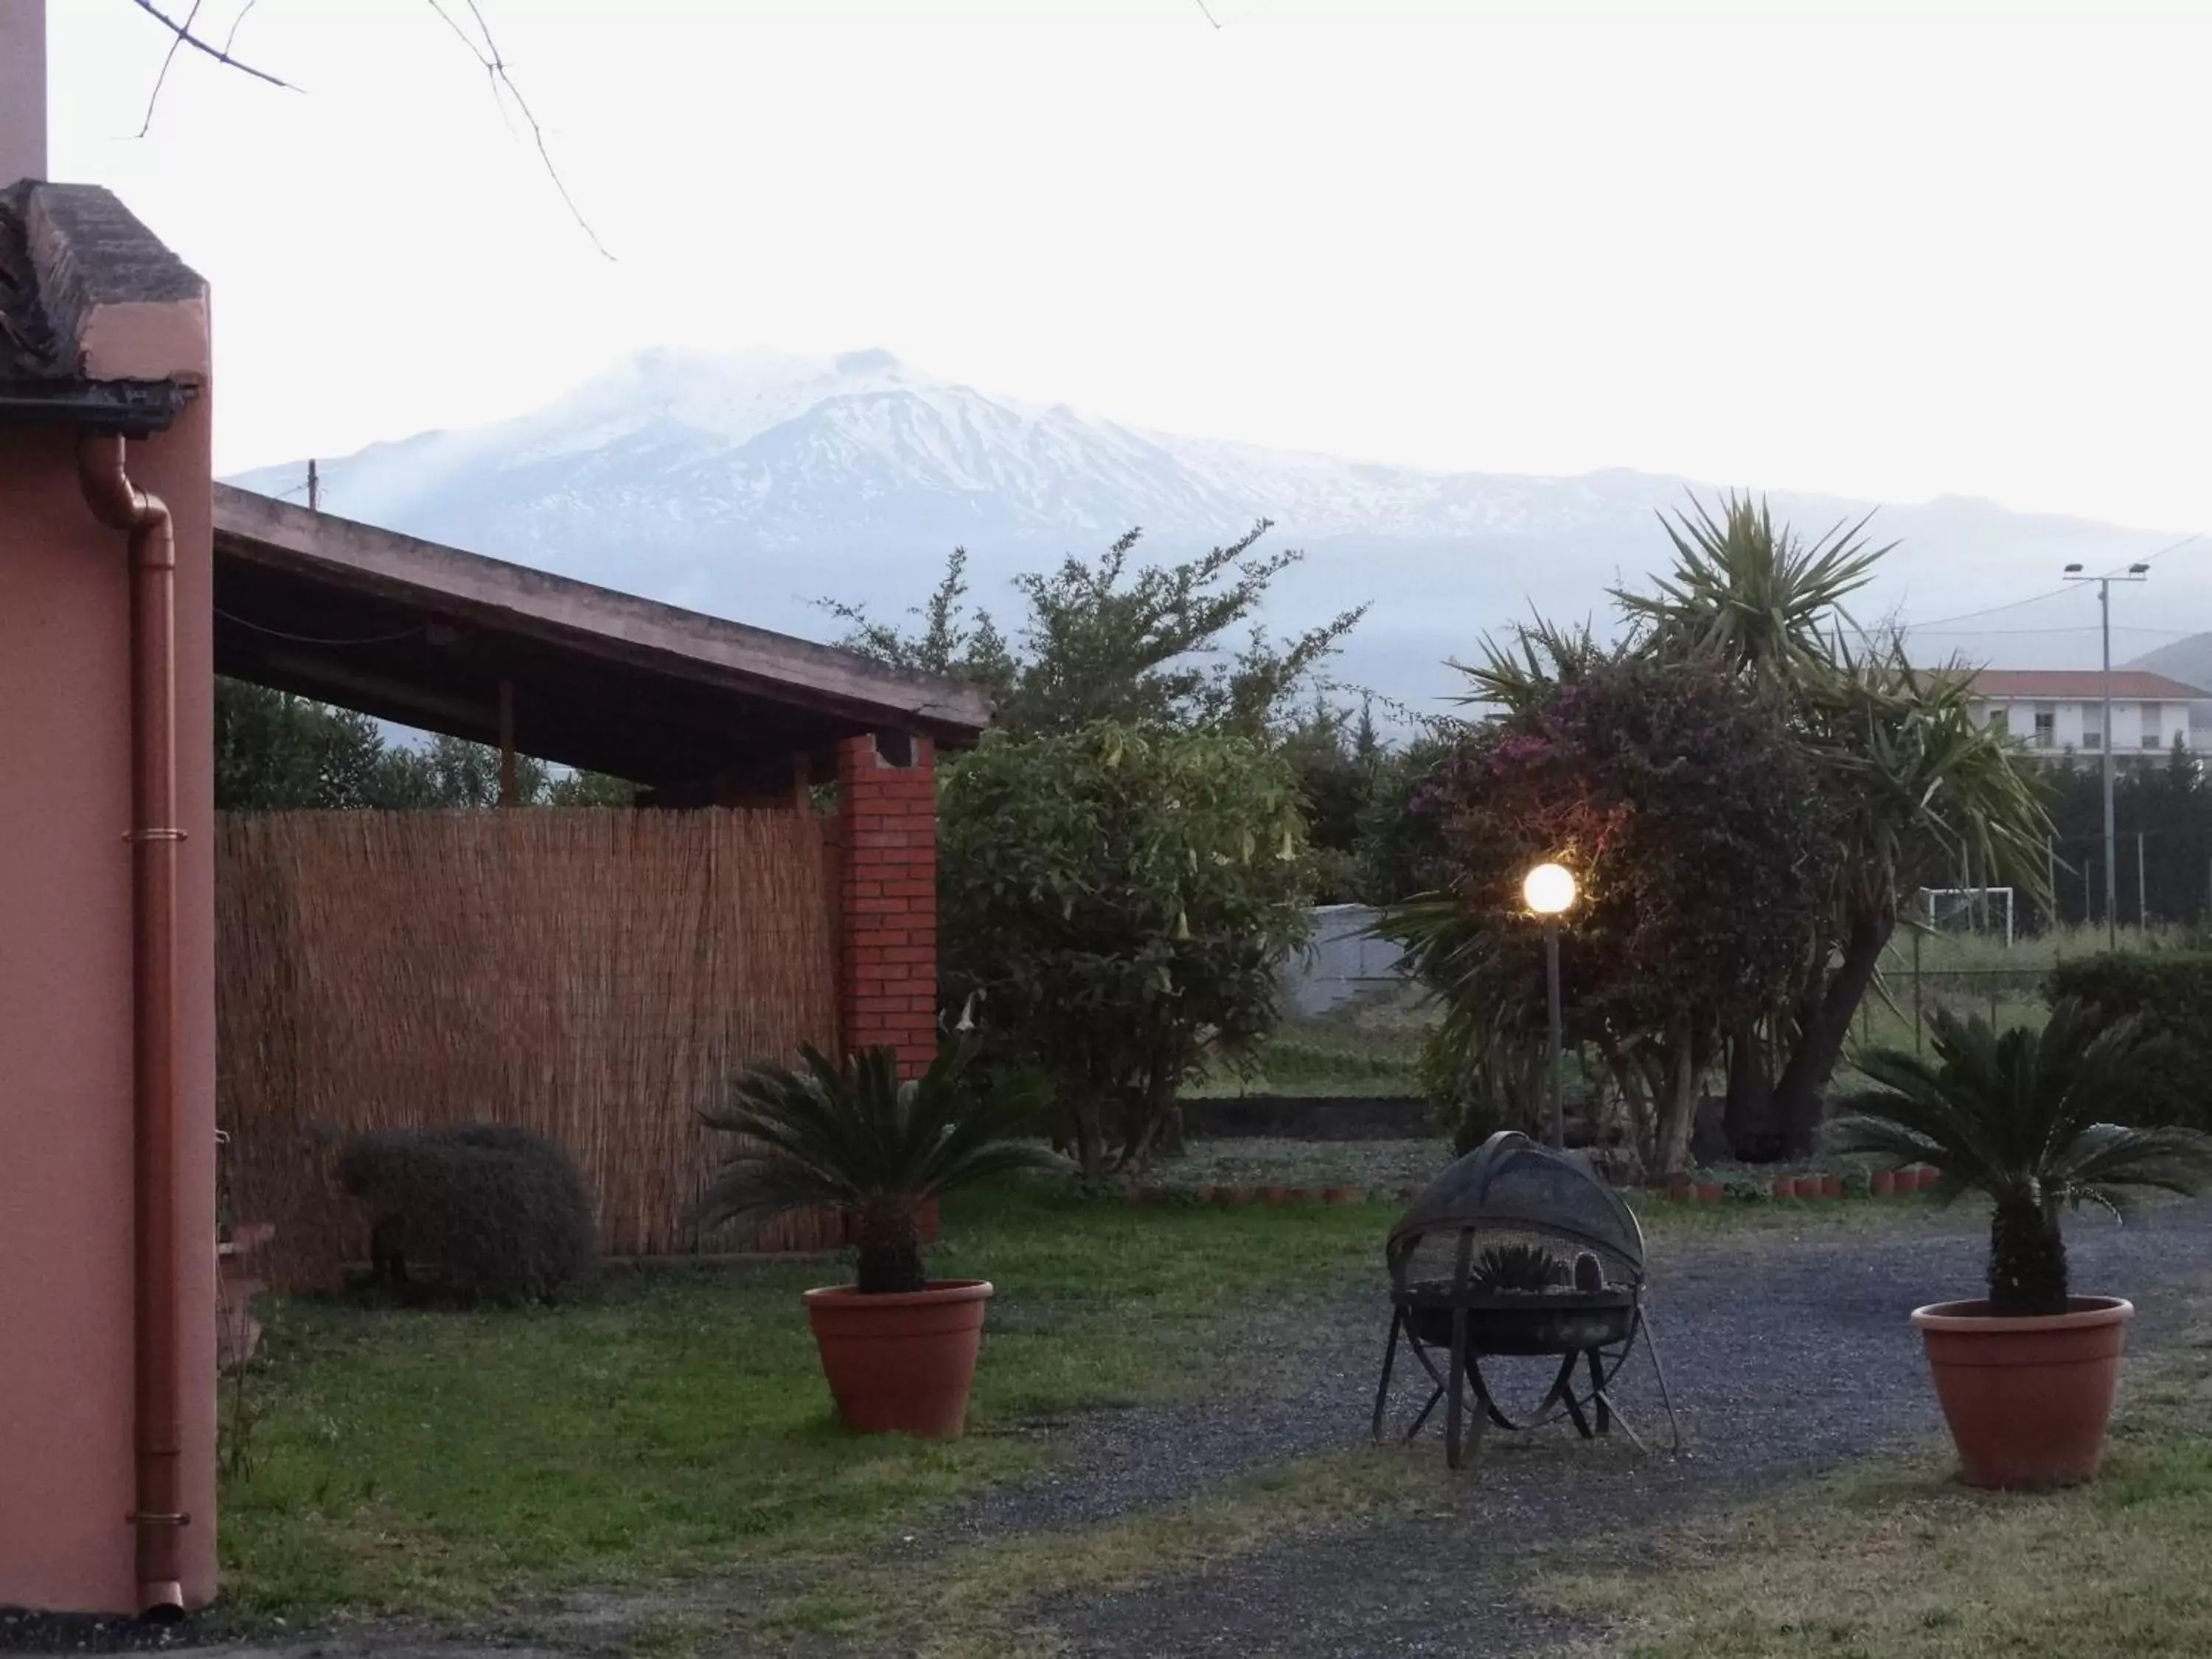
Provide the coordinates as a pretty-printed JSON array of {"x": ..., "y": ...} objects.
[{"x": 1889, "y": 251}]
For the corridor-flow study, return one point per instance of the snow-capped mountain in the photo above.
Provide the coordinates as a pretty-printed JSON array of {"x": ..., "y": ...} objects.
[{"x": 752, "y": 485}]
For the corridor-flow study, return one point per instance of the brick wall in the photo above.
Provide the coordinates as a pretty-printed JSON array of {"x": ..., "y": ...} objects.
[{"x": 887, "y": 898}]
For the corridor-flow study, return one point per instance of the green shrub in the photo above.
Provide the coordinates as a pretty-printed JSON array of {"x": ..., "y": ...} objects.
[
  {"x": 1114, "y": 906},
  {"x": 2169, "y": 994},
  {"x": 480, "y": 1210}
]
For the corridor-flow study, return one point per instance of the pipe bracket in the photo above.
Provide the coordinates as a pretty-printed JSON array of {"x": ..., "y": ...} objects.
[
  {"x": 155, "y": 834},
  {"x": 138, "y": 1518}
]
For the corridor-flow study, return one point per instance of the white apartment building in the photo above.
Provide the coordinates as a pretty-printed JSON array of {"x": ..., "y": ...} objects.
[{"x": 2058, "y": 712}]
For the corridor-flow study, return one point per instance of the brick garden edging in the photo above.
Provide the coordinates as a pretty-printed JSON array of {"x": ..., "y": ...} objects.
[{"x": 1816, "y": 1187}]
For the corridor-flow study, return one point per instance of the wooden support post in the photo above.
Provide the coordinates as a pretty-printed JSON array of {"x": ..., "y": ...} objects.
[{"x": 507, "y": 743}]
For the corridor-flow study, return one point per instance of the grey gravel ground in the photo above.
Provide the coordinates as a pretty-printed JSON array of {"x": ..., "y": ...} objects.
[
  {"x": 1260, "y": 1160},
  {"x": 1785, "y": 1358}
]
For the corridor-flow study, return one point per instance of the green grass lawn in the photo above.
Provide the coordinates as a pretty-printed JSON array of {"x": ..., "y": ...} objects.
[
  {"x": 675, "y": 1420},
  {"x": 1899, "y": 1561}
]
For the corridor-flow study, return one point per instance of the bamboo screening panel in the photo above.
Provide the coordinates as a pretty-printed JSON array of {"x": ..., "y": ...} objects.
[{"x": 595, "y": 974}]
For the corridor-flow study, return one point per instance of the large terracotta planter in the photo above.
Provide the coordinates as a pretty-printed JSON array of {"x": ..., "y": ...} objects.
[
  {"x": 900, "y": 1364},
  {"x": 2026, "y": 1399}
]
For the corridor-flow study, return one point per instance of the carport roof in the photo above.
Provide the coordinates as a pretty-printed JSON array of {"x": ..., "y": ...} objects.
[{"x": 428, "y": 635}]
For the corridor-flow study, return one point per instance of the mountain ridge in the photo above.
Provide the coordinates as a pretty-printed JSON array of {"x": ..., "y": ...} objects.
[{"x": 752, "y": 484}]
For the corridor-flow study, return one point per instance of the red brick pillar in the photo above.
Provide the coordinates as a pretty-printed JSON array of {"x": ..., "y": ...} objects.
[{"x": 887, "y": 898}]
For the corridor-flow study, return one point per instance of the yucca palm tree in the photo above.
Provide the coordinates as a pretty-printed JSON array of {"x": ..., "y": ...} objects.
[
  {"x": 852, "y": 1137},
  {"x": 1921, "y": 791},
  {"x": 2021, "y": 1116}
]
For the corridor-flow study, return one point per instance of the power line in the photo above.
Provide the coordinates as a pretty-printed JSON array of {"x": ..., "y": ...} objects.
[
  {"x": 2194, "y": 536},
  {"x": 2038, "y": 599},
  {"x": 1995, "y": 610},
  {"x": 2084, "y": 627}
]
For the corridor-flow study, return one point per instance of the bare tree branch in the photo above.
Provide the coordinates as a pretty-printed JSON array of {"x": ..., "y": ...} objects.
[
  {"x": 1208, "y": 13},
  {"x": 185, "y": 37},
  {"x": 228, "y": 38},
  {"x": 176, "y": 44},
  {"x": 494, "y": 68}
]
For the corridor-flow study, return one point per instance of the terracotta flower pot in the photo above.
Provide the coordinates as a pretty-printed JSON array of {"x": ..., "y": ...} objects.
[
  {"x": 1784, "y": 1186},
  {"x": 1338, "y": 1194},
  {"x": 1275, "y": 1197},
  {"x": 1882, "y": 1183},
  {"x": 1832, "y": 1186},
  {"x": 2026, "y": 1399},
  {"x": 900, "y": 1364},
  {"x": 1237, "y": 1197},
  {"x": 1709, "y": 1192}
]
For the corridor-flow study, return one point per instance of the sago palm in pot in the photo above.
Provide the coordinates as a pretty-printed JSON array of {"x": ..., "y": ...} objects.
[
  {"x": 898, "y": 1348},
  {"x": 2026, "y": 1376}
]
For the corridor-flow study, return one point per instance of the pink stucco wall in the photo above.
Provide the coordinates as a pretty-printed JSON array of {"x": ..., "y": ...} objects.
[{"x": 65, "y": 1167}]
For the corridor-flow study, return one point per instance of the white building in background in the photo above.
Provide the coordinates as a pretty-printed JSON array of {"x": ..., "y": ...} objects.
[
  {"x": 2055, "y": 712},
  {"x": 1340, "y": 961}
]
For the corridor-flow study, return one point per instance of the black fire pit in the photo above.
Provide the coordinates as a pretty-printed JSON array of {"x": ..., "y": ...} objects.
[{"x": 1517, "y": 1251}]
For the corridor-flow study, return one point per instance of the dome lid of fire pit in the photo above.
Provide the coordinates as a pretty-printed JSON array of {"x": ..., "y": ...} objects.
[{"x": 1510, "y": 1184}]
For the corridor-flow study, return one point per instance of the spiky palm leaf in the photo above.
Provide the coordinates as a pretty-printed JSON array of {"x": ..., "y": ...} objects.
[
  {"x": 2021, "y": 1116},
  {"x": 1541, "y": 657},
  {"x": 1927, "y": 790},
  {"x": 1752, "y": 594},
  {"x": 852, "y": 1137}
]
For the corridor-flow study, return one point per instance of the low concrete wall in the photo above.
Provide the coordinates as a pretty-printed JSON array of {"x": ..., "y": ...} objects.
[{"x": 1311, "y": 1117}]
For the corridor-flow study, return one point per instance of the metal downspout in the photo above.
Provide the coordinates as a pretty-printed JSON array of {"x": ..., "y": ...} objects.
[{"x": 158, "y": 1513}]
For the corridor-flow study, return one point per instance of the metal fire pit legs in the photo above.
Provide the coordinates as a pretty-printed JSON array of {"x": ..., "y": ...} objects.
[{"x": 1587, "y": 1405}]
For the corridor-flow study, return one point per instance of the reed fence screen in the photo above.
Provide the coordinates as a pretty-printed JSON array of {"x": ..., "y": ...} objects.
[{"x": 595, "y": 974}]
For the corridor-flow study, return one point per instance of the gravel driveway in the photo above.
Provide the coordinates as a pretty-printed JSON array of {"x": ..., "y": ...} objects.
[{"x": 1786, "y": 1356}]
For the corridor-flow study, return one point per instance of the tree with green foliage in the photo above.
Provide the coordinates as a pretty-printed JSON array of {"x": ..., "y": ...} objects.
[
  {"x": 1140, "y": 645},
  {"x": 1691, "y": 821},
  {"x": 1335, "y": 757},
  {"x": 1398, "y": 845},
  {"x": 275, "y": 752},
  {"x": 1114, "y": 905},
  {"x": 1917, "y": 792}
]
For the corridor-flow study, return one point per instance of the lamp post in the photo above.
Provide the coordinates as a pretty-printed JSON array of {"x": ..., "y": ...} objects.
[
  {"x": 2136, "y": 573},
  {"x": 1549, "y": 891}
]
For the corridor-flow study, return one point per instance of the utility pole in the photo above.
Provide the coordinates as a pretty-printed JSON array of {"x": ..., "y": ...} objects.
[
  {"x": 314, "y": 489},
  {"x": 2143, "y": 906},
  {"x": 2136, "y": 573}
]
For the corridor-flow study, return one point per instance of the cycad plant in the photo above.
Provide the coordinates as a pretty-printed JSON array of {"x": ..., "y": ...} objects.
[
  {"x": 2021, "y": 1116},
  {"x": 852, "y": 1137}
]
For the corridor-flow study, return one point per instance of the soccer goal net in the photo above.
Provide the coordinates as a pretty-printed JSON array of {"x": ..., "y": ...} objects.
[{"x": 1969, "y": 911}]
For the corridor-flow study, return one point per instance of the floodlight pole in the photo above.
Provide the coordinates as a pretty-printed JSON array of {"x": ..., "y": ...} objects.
[
  {"x": 2136, "y": 573},
  {"x": 1558, "y": 1135}
]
